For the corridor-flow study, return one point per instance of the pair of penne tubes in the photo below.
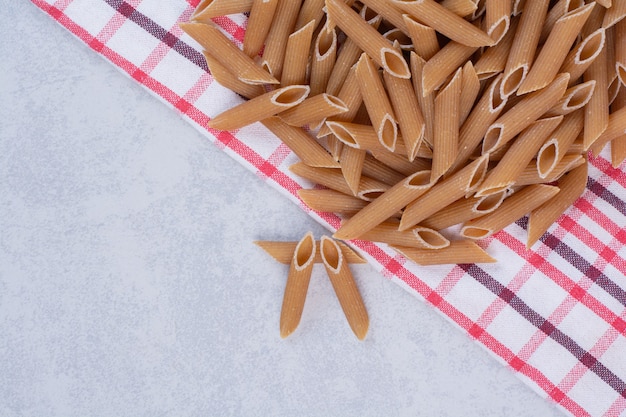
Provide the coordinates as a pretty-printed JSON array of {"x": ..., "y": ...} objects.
[
  {"x": 413, "y": 116},
  {"x": 301, "y": 257}
]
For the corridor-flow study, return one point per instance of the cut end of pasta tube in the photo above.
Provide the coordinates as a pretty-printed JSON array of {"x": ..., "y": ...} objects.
[
  {"x": 342, "y": 133},
  {"x": 477, "y": 173},
  {"x": 574, "y": 98},
  {"x": 429, "y": 238},
  {"x": 620, "y": 68},
  {"x": 304, "y": 255},
  {"x": 291, "y": 95},
  {"x": 497, "y": 100},
  {"x": 394, "y": 63},
  {"x": 512, "y": 81},
  {"x": 491, "y": 142},
  {"x": 388, "y": 133},
  {"x": 547, "y": 158},
  {"x": 489, "y": 203},
  {"x": 499, "y": 29},
  {"x": 475, "y": 233},
  {"x": 590, "y": 47}
]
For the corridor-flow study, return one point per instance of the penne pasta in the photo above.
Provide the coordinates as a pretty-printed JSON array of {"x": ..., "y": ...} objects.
[
  {"x": 345, "y": 287},
  {"x": 443, "y": 64},
  {"x": 555, "y": 49},
  {"x": 497, "y": 18},
  {"x": 514, "y": 207},
  {"x": 493, "y": 60},
  {"x": 530, "y": 175},
  {"x": 446, "y": 126},
  {"x": 333, "y": 179},
  {"x": 554, "y": 149},
  {"x": 426, "y": 101},
  {"x": 425, "y": 42},
  {"x": 261, "y": 107},
  {"x": 620, "y": 51},
  {"x": 367, "y": 38},
  {"x": 464, "y": 209},
  {"x": 226, "y": 78},
  {"x": 283, "y": 251},
  {"x": 618, "y": 144},
  {"x": 276, "y": 40},
  {"x": 597, "y": 108},
  {"x": 323, "y": 59},
  {"x": 445, "y": 21},
  {"x": 377, "y": 170},
  {"x": 572, "y": 185},
  {"x": 313, "y": 110},
  {"x": 390, "y": 202},
  {"x": 520, "y": 116},
  {"x": 470, "y": 87},
  {"x": 310, "y": 11},
  {"x": 259, "y": 22},
  {"x": 399, "y": 163},
  {"x": 209, "y": 9},
  {"x": 296, "y": 58},
  {"x": 560, "y": 8},
  {"x": 583, "y": 55},
  {"x": 521, "y": 152},
  {"x": 406, "y": 108},
  {"x": 443, "y": 193},
  {"x": 389, "y": 12},
  {"x": 615, "y": 128},
  {"x": 459, "y": 252},
  {"x": 575, "y": 98},
  {"x": 461, "y": 8},
  {"x": 297, "y": 285},
  {"x": 418, "y": 237},
  {"x": 302, "y": 144},
  {"x": 524, "y": 45},
  {"x": 331, "y": 201},
  {"x": 377, "y": 102},
  {"x": 231, "y": 57},
  {"x": 351, "y": 162},
  {"x": 614, "y": 14}
]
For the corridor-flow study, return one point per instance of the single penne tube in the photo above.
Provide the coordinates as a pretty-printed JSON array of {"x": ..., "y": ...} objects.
[
  {"x": 388, "y": 12},
  {"x": 443, "y": 64},
  {"x": 458, "y": 252},
  {"x": 575, "y": 97},
  {"x": 351, "y": 162},
  {"x": 583, "y": 55},
  {"x": 310, "y": 11},
  {"x": 460, "y": 7},
  {"x": 554, "y": 149},
  {"x": 201, "y": 6},
  {"x": 226, "y": 78},
  {"x": 620, "y": 51},
  {"x": 470, "y": 88},
  {"x": 521, "y": 152},
  {"x": 530, "y": 175},
  {"x": 484, "y": 113},
  {"x": 348, "y": 55},
  {"x": 425, "y": 42},
  {"x": 390, "y": 202},
  {"x": 331, "y": 201},
  {"x": 418, "y": 237},
  {"x": 260, "y": 108},
  {"x": 323, "y": 59},
  {"x": 259, "y": 22},
  {"x": 399, "y": 39},
  {"x": 334, "y": 179},
  {"x": 345, "y": 287},
  {"x": 597, "y": 109},
  {"x": 355, "y": 135},
  {"x": 464, "y": 209},
  {"x": 444, "y": 192},
  {"x": 350, "y": 95},
  {"x": 276, "y": 40},
  {"x": 367, "y": 38},
  {"x": 426, "y": 101},
  {"x": 497, "y": 18},
  {"x": 493, "y": 59},
  {"x": 572, "y": 185},
  {"x": 297, "y": 285},
  {"x": 207, "y": 10},
  {"x": 554, "y": 51},
  {"x": 283, "y": 251},
  {"x": 514, "y": 207},
  {"x": 520, "y": 116},
  {"x": 615, "y": 128},
  {"x": 445, "y": 21},
  {"x": 524, "y": 45},
  {"x": 399, "y": 163},
  {"x": 296, "y": 59},
  {"x": 446, "y": 126},
  {"x": 614, "y": 14},
  {"x": 407, "y": 110},
  {"x": 313, "y": 110},
  {"x": 231, "y": 57},
  {"x": 301, "y": 143},
  {"x": 377, "y": 170},
  {"x": 377, "y": 102},
  {"x": 560, "y": 8}
]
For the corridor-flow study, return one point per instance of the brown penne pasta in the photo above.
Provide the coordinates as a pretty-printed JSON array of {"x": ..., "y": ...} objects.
[
  {"x": 313, "y": 110},
  {"x": 425, "y": 42},
  {"x": 446, "y": 126},
  {"x": 209, "y": 9},
  {"x": 229, "y": 80},
  {"x": 497, "y": 18},
  {"x": 276, "y": 40},
  {"x": 418, "y": 237},
  {"x": 554, "y": 149},
  {"x": 464, "y": 209},
  {"x": 296, "y": 58},
  {"x": 459, "y": 252},
  {"x": 259, "y": 22},
  {"x": 331, "y": 201},
  {"x": 283, "y": 251}
]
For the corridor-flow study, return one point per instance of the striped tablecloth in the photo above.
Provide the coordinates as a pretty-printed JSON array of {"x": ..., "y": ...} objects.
[{"x": 555, "y": 315}]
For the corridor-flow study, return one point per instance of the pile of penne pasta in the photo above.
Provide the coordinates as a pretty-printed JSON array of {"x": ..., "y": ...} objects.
[
  {"x": 301, "y": 256},
  {"x": 414, "y": 116}
]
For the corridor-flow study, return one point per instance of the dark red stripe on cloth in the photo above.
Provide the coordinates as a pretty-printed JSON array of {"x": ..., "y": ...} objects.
[
  {"x": 151, "y": 27},
  {"x": 606, "y": 195},
  {"x": 586, "y": 358}
]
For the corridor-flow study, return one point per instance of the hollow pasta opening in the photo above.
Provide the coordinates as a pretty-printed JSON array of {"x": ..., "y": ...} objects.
[
  {"x": 395, "y": 63},
  {"x": 291, "y": 95},
  {"x": 475, "y": 232},
  {"x": 305, "y": 250},
  {"x": 330, "y": 252}
]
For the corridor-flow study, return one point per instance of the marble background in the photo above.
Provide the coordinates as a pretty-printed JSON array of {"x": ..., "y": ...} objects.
[{"x": 129, "y": 283}]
